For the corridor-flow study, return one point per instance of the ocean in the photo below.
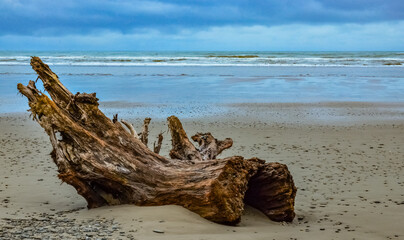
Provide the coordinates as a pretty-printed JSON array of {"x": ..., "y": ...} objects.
[
  {"x": 302, "y": 59},
  {"x": 185, "y": 81}
]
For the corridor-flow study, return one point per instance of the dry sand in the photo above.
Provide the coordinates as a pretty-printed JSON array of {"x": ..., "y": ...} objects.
[{"x": 347, "y": 160}]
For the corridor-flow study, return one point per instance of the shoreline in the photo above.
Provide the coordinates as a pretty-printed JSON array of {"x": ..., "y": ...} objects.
[
  {"x": 348, "y": 170},
  {"x": 320, "y": 113},
  {"x": 303, "y": 113}
]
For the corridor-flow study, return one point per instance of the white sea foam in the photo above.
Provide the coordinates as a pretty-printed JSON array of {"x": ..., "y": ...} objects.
[{"x": 336, "y": 59}]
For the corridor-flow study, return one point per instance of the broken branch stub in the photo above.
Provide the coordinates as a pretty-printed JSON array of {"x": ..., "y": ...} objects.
[
  {"x": 210, "y": 147},
  {"x": 157, "y": 147},
  {"x": 144, "y": 136}
]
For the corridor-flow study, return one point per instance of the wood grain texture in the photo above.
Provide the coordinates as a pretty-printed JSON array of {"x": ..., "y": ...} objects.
[{"x": 108, "y": 165}]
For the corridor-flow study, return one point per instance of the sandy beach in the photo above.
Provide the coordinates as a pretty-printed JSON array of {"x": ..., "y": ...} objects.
[
  {"x": 346, "y": 159},
  {"x": 296, "y": 108}
]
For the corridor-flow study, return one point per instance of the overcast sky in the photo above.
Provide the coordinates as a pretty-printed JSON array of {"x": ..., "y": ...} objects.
[{"x": 272, "y": 25}]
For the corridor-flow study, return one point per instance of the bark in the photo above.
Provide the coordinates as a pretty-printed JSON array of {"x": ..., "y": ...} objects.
[{"x": 109, "y": 165}]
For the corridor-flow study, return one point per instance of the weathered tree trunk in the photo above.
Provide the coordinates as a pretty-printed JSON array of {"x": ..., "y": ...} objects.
[{"x": 109, "y": 165}]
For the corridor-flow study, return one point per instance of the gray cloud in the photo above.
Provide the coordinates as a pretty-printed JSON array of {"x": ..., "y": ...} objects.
[
  {"x": 290, "y": 37},
  {"x": 56, "y": 18}
]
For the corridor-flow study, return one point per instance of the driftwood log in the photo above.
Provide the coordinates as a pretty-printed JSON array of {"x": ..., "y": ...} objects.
[{"x": 109, "y": 165}]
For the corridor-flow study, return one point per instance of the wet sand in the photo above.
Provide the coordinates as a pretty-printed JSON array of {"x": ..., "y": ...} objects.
[{"x": 347, "y": 160}]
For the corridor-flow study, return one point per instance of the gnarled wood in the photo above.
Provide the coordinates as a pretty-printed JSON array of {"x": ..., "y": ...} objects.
[
  {"x": 273, "y": 192},
  {"x": 210, "y": 147},
  {"x": 108, "y": 165}
]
